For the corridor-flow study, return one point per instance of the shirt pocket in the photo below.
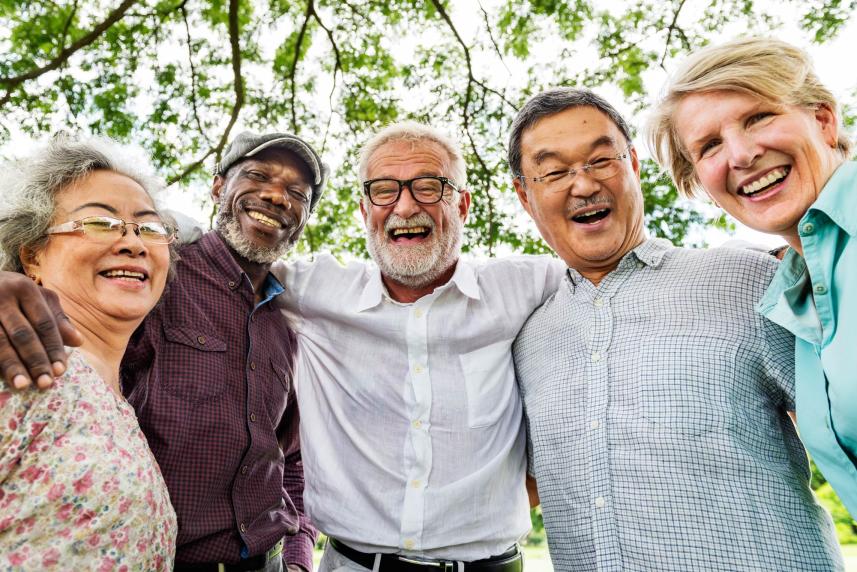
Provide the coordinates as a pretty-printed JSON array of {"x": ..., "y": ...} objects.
[
  {"x": 278, "y": 391},
  {"x": 194, "y": 364},
  {"x": 685, "y": 380},
  {"x": 489, "y": 379}
]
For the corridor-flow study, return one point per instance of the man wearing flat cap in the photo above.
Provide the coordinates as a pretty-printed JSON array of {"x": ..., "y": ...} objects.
[{"x": 209, "y": 372}]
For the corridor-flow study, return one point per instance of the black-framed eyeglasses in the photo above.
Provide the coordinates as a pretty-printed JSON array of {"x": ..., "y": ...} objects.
[
  {"x": 425, "y": 190},
  {"x": 600, "y": 169},
  {"x": 108, "y": 229}
]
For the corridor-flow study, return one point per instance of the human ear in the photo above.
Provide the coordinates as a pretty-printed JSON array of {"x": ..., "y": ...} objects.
[{"x": 31, "y": 263}]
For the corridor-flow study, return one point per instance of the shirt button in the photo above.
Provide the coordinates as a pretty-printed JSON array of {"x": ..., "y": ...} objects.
[
  {"x": 820, "y": 289},
  {"x": 596, "y": 357},
  {"x": 252, "y": 418},
  {"x": 232, "y": 285},
  {"x": 598, "y": 302},
  {"x": 600, "y": 502},
  {"x": 242, "y": 528},
  {"x": 244, "y": 470},
  {"x": 409, "y": 543},
  {"x": 640, "y": 265},
  {"x": 416, "y": 483},
  {"x": 419, "y": 368},
  {"x": 417, "y": 424},
  {"x": 808, "y": 228},
  {"x": 201, "y": 340},
  {"x": 593, "y": 424},
  {"x": 419, "y": 313},
  {"x": 253, "y": 365}
]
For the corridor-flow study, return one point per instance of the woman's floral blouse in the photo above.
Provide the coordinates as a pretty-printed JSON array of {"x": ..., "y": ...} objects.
[{"x": 79, "y": 487}]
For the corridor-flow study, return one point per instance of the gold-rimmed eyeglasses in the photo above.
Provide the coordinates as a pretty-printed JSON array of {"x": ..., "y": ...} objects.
[{"x": 107, "y": 229}]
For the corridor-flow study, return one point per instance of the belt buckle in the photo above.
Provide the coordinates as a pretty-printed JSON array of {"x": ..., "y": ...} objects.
[
  {"x": 421, "y": 562},
  {"x": 441, "y": 565}
]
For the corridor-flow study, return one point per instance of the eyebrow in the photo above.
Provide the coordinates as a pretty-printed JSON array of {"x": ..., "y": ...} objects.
[
  {"x": 112, "y": 210},
  {"x": 546, "y": 154}
]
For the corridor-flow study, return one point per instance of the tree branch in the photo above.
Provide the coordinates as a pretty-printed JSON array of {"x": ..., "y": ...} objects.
[
  {"x": 468, "y": 96},
  {"x": 12, "y": 82},
  {"x": 193, "y": 97},
  {"x": 672, "y": 28},
  {"x": 310, "y": 9},
  {"x": 238, "y": 85},
  {"x": 491, "y": 37},
  {"x": 337, "y": 67},
  {"x": 68, "y": 22}
]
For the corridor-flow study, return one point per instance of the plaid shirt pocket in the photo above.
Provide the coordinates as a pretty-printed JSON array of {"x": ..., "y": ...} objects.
[{"x": 197, "y": 363}]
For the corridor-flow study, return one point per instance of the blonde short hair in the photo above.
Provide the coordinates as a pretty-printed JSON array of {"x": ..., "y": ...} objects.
[{"x": 770, "y": 69}]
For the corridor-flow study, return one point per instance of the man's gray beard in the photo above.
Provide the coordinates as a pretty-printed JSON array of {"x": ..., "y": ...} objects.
[
  {"x": 418, "y": 265},
  {"x": 230, "y": 229}
]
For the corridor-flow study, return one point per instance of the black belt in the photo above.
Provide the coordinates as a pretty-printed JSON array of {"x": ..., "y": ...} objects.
[
  {"x": 509, "y": 561},
  {"x": 245, "y": 565}
]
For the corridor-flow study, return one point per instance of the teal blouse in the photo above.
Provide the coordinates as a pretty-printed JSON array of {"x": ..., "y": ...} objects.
[{"x": 815, "y": 297}]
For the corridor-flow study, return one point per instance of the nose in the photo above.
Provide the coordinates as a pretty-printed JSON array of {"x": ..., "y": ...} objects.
[
  {"x": 275, "y": 197},
  {"x": 406, "y": 206},
  {"x": 584, "y": 185},
  {"x": 742, "y": 150},
  {"x": 130, "y": 242}
]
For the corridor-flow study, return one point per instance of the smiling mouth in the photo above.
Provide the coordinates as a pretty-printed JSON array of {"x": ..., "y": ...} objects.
[
  {"x": 410, "y": 232},
  {"x": 759, "y": 185},
  {"x": 125, "y": 275},
  {"x": 264, "y": 219},
  {"x": 592, "y": 216}
]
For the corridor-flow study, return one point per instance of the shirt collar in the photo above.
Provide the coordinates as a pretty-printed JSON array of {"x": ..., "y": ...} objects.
[
  {"x": 464, "y": 278},
  {"x": 213, "y": 245},
  {"x": 785, "y": 300},
  {"x": 836, "y": 198},
  {"x": 650, "y": 252}
]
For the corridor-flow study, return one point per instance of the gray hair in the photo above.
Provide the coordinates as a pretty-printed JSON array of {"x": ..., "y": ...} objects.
[
  {"x": 30, "y": 187},
  {"x": 414, "y": 133},
  {"x": 555, "y": 101}
]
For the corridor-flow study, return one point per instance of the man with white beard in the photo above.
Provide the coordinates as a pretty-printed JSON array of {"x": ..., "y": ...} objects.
[
  {"x": 413, "y": 444},
  {"x": 414, "y": 448}
]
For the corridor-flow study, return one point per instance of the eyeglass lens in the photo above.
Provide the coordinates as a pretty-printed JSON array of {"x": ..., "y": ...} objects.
[{"x": 424, "y": 190}]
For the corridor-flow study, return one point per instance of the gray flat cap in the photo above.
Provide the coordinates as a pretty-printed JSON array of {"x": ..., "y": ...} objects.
[{"x": 247, "y": 144}]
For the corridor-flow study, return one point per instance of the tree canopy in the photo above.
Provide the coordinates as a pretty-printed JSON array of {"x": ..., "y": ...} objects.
[{"x": 181, "y": 77}]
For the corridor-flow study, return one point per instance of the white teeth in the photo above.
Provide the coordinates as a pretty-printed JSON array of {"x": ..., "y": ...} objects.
[
  {"x": 410, "y": 230},
  {"x": 264, "y": 219},
  {"x": 125, "y": 274},
  {"x": 765, "y": 181}
]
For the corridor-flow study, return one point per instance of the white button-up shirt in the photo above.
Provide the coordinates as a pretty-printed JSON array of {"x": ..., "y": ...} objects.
[{"x": 411, "y": 423}]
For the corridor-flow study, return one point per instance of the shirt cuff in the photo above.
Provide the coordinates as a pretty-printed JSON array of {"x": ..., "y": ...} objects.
[{"x": 297, "y": 549}]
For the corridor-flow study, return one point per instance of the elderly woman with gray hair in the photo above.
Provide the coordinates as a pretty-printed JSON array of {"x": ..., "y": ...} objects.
[
  {"x": 749, "y": 123},
  {"x": 79, "y": 487}
]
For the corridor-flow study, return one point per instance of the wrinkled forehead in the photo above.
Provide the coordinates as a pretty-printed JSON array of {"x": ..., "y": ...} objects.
[
  {"x": 573, "y": 133},
  {"x": 421, "y": 156},
  {"x": 104, "y": 189},
  {"x": 272, "y": 159}
]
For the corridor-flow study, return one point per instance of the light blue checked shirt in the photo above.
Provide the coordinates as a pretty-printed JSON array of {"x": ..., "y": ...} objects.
[{"x": 657, "y": 408}]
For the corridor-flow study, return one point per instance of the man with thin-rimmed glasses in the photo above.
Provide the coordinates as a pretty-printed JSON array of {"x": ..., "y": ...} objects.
[{"x": 657, "y": 399}]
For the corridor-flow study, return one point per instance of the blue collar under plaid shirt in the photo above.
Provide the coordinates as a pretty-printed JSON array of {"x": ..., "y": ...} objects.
[
  {"x": 210, "y": 376},
  {"x": 657, "y": 409}
]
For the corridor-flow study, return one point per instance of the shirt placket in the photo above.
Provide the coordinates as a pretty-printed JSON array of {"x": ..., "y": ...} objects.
[
  {"x": 418, "y": 466},
  {"x": 810, "y": 241},
  {"x": 604, "y": 530}
]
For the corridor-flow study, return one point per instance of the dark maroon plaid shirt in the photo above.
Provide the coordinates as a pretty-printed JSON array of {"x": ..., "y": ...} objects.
[{"x": 210, "y": 378}]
